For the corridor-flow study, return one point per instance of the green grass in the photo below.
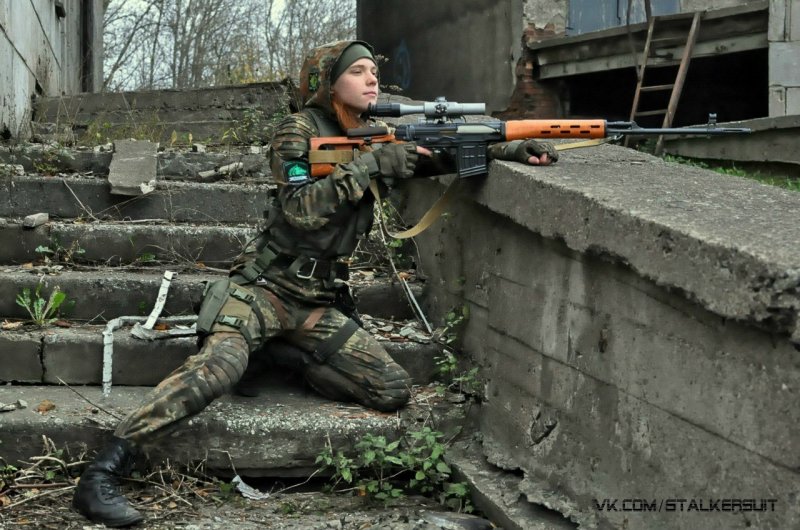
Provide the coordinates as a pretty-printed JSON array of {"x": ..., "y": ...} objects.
[{"x": 729, "y": 168}]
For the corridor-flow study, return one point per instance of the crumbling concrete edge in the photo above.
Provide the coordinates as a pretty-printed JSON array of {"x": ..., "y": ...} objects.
[
  {"x": 716, "y": 248},
  {"x": 499, "y": 494}
]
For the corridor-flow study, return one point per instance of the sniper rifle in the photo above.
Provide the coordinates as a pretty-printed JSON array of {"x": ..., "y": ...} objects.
[{"x": 445, "y": 131}]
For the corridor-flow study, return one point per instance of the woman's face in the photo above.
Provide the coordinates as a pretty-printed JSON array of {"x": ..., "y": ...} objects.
[{"x": 357, "y": 87}]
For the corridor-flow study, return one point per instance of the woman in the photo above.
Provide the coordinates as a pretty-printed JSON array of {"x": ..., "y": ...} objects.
[{"x": 289, "y": 283}]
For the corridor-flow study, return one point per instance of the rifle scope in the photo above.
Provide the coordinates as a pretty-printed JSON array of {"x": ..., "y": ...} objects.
[{"x": 439, "y": 108}]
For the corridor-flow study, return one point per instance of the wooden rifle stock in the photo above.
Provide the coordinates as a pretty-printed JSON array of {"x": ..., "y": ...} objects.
[{"x": 328, "y": 151}]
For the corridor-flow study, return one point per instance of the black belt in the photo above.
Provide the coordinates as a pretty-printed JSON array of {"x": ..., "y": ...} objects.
[{"x": 313, "y": 268}]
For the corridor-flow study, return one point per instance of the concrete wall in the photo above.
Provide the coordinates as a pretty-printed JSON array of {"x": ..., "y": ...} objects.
[
  {"x": 552, "y": 15},
  {"x": 42, "y": 54},
  {"x": 465, "y": 50},
  {"x": 784, "y": 57},
  {"x": 547, "y": 15},
  {"x": 635, "y": 323}
]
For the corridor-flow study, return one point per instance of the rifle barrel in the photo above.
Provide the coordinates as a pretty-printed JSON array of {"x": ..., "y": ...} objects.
[{"x": 626, "y": 127}]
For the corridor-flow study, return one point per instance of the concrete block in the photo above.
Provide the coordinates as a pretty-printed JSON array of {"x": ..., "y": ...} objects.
[
  {"x": 777, "y": 101},
  {"x": 793, "y": 100},
  {"x": 794, "y": 28},
  {"x": 784, "y": 63},
  {"x": 776, "y": 30},
  {"x": 133, "y": 167},
  {"x": 20, "y": 359}
]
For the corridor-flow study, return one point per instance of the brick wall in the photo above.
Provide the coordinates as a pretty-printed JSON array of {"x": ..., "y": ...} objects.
[{"x": 532, "y": 99}]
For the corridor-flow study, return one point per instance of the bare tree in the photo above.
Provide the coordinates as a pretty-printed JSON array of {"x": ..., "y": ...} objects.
[
  {"x": 195, "y": 43},
  {"x": 303, "y": 25}
]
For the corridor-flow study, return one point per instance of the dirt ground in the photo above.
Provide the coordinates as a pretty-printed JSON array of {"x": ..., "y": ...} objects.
[{"x": 308, "y": 510}]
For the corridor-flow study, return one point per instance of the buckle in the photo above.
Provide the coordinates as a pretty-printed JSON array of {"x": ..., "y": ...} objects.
[
  {"x": 310, "y": 274},
  {"x": 242, "y": 295},
  {"x": 231, "y": 321}
]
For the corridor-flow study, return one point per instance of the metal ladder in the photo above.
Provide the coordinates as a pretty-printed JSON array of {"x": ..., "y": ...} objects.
[{"x": 676, "y": 88}]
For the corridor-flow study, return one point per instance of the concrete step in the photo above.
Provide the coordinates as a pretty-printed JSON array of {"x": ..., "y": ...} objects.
[
  {"x": 101, "y": 294},
  {"x": 123, "y": 243},
  {"x": 172, "y": 164},
  {"x": 75, "y": 356},
  {"x": 279, "y": 433},
  {"x": 66, "y": 108},
  {"x": 206, "y": 114},
  {"x": 90, "y": 198}
]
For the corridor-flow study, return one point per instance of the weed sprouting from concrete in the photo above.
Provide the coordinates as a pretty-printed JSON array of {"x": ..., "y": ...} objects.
[
  {"x": 55, "y": 252},
  {"x": 791, "y": 183},
  {"x": 43, "y": 311}
]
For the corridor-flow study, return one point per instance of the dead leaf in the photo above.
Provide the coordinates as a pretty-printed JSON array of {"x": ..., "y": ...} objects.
[
  {"x": 161, "y": 327},
  {"x": 4, "y": 500},
  {"x": 45, "y": 406},
  {"x": 172, "y": 505},
  {"x": 10, "y": 326},
  {"x": 28, "y": 265},
  {"x": 62, "y": 324}
]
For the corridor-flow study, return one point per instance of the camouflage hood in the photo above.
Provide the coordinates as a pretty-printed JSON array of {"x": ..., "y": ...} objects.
[{"x": 315, "y": 76}]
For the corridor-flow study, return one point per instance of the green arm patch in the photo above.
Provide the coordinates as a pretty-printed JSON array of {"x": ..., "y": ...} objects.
[{"x": 297, "y": 172}]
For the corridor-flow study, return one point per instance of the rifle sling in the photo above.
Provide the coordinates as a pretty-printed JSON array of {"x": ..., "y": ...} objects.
[
  {"x": 427, "y": 220},
  {"x": 331, "y": 156}
]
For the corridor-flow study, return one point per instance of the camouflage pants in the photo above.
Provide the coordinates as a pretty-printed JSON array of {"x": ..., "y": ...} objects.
[{"x": 359, "y": 371}]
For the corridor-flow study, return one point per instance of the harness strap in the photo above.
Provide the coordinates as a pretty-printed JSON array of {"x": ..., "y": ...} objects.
[
  {"x": 335, "y": 341},
  {"x": 313, "y": 318},
  {"x": 250, "y": 299},
  {"x": 253, "y": 269},
  {"x": 241, "y": 325},
  {"x": 279, "y": 309}
]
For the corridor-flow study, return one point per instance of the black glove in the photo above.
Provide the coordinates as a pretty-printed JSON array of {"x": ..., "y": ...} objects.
[
  {"x": 397, "y": 160},
  {"x": 522, "y": 150},
  {"x": 530, "y": 147}
]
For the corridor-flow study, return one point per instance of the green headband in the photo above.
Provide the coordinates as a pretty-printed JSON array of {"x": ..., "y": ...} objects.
[{"x": 350, "y": 55}]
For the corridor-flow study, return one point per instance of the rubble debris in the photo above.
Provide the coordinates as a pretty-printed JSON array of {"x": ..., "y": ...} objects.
[
  {"x": 133, "y": 167},
  {"x": 36, "y": 219},
  {"x": 219, "y": 172}
]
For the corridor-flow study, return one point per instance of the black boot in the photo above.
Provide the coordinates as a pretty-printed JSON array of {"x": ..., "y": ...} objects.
[{"x": 97, "y": 496}]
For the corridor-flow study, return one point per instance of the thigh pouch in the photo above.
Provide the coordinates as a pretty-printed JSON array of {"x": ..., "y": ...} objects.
[{"x": 228, "y": 304}]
